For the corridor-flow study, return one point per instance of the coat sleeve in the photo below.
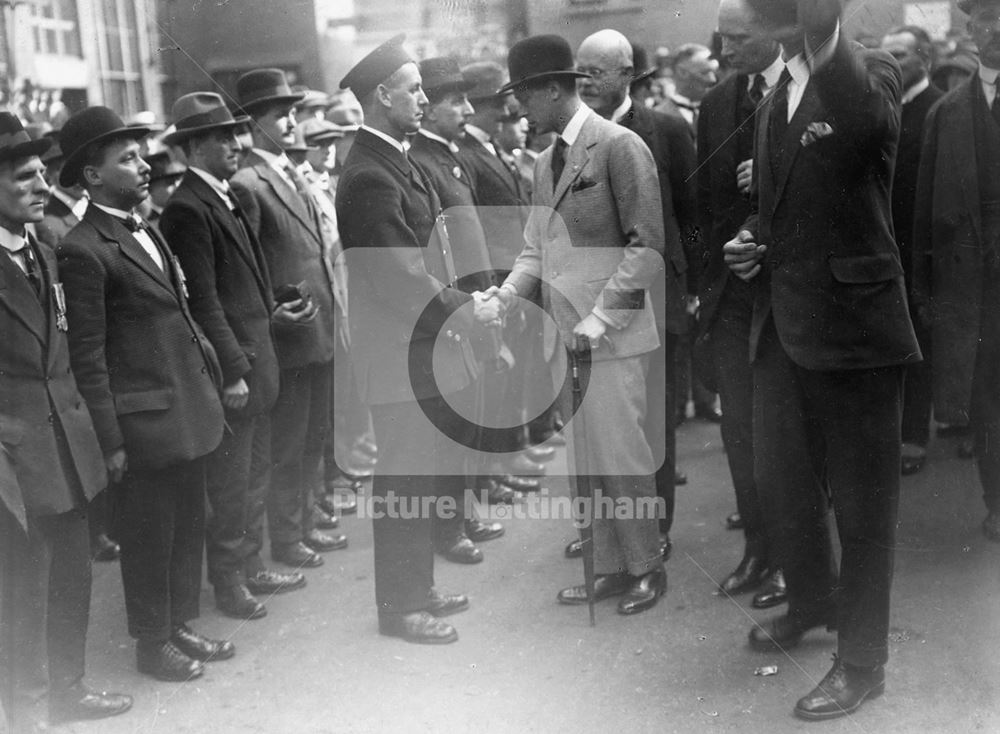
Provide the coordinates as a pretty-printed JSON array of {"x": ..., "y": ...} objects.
[
  {"x": 85, "y": 279},
  {"x": 190, "y": 235}
]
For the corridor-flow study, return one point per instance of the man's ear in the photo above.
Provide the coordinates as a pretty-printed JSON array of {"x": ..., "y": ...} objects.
[
  {"x": 382, "y": 96},
  {"x": 91, "y": 176}
]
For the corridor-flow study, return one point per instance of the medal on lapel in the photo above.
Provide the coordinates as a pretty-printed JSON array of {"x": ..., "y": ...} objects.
[
  {"x": 59, "y": 297},
  {"x": 456, "y": 172},
  {"x": 181, "y": 278}
]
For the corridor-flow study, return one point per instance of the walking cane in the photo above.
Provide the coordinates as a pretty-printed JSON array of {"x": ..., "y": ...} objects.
[{"x": 580, "y": 358}]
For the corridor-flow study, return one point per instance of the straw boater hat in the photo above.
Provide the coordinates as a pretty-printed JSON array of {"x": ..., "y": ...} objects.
[
  {"x": 376, "y": 67},
  {"x": 540, "y": 57},
  {"x": 15, "y": 142},
  {"x": 89, "y": 126},
  {"x": 198, "y": 113}
]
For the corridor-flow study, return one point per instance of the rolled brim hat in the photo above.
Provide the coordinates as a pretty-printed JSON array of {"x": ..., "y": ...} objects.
[
  {"x": 540, "y": 57},
  {"x": 263, "y": 87},
  {"x": 198, "y": 113},
  {"x": 15, "y": 142},
  {"x": 376, "y": 67},
  {"x": 85, "y": 128},
  {"x": 486, "y": 78}
]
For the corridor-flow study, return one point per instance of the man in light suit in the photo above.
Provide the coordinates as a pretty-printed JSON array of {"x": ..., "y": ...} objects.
[
  {"x": 150, "y": 379},
  {"x": 400, "y": 265},
  {"x": 829, "y": 338},
  {"x": 596, "y": 187},
  {"x": 956, "y": 252},
  {"x": 50, "y": 467},
  {"x": 230, "y": 298},
  {"x": 288, "y": 224}
]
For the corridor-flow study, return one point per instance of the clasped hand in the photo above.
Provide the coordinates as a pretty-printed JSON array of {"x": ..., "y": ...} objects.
[
  {"x": 743, "y": 255},
  {"x": 489, "y": 308}
]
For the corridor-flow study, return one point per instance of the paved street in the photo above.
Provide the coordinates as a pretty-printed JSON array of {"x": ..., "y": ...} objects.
[{"x": 316, "y": 665}]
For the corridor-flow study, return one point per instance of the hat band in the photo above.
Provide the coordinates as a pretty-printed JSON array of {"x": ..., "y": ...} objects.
[
  {"x": 12, "y": 140},
  {"x": 264, "y": 95},
  {"x": 217, "y": 116}
]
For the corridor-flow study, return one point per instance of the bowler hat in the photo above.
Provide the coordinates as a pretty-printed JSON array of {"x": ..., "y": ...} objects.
[
  {"x": 198, "y": 113},
  {"x": 264, "y": 87},
  {"x": 540, "y": 57},
  {"x": 376, "y": 67},
  {"x": 486, "y": 78},
  {"x": 442, "y": 75},
  {"x": 162, "y": 166},
  {"x": 89, "y": 126},
  {"x": 319, "y": 132},
  {"x": 15, "y": 142},
  {"x": 640, "y": 64}
]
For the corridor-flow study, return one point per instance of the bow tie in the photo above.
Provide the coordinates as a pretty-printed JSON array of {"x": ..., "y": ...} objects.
[{"x": 135, "y": 224}]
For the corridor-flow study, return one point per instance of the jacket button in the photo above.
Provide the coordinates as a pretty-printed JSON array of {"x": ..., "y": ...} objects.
[
  {"x": 457, "y": 337},
  {"x": 194, "y": 339},
  {"x": 52, "y": 418},
  {"x": 449, "y": 333},
  {"x": 204, "y": 370}
]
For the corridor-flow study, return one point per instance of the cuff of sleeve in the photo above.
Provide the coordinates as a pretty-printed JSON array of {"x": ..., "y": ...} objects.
[
  {"x": 599, "y": 313},
  {"x": 507, "y": 285}
]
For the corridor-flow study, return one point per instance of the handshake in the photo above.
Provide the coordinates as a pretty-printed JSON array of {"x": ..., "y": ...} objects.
[{"x": 492, "y": 304}]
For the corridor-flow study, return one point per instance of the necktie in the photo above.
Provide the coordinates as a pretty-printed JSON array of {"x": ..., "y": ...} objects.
[
  {"x": 757, "y": 89},
  {"x": 558, "y": 161},
  {"x": 779, "y": 116},
  {"x": 30, "y": 268},
  {"x": 147, "y": 242},
  {"x": 135, "y": 224},
  {"x": 995, "y": 108}
]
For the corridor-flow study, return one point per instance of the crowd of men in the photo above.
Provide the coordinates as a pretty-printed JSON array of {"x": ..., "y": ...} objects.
[{"x": 285, "y": 287}]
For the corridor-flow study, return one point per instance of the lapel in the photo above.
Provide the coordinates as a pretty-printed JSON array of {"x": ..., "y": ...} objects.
[
  {"x": 443, "y": 158},
  {"x": 16, "y": 294},
  {"x": 391, "y": 158},
  {"x": 576, "y": 159},
  {"x": 495, "y": 166},
  {"x": 115, "y": 231},
  {"x": 47, "y": 264},
  {"x": 963, "y": 149},
  {"x": 804, "y": 114},
  {"x": 285, "y": 192}
]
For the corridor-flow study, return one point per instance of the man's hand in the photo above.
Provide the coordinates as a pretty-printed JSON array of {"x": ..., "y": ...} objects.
[
  {"x": 293, "y": 312},
  {"x": 236, "y": 395},
  {"x": 488, "y": 308},
  {"x": 743, "y": 255},
  {"x": 117, "y": 464},
  {"x": 744, "y": 175},
  {"x": 592, "y": 328},
  {"x": 818, "y": 19}
]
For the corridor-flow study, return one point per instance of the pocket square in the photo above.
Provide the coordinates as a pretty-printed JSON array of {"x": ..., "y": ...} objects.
[
  {"x": 814, "y": 132},
  {"x": 583, "y": 183}
]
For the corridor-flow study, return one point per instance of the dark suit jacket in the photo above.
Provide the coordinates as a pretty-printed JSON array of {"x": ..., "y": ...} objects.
[
  {"x": 722, "y": 209},
  {"x": 58, "y": 221},
  {"x": 669, "y": 142},
  {"x": 948, "y": 248},
  {"x": 502, "y": 203},
  {"x": 832, "y": 278},
  {"x": 291, "y": 237},
  {"x": 230, "y": 293},
  {"x": 149, "y": 375},
  {"x": 398, "y": 268},
  {"x": 46, "y": 433}
]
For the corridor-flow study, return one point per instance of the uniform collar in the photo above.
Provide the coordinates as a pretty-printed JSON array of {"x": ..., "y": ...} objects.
[
  {"x": 390, "y": 140},
  {"x": 450, "y": 145}
]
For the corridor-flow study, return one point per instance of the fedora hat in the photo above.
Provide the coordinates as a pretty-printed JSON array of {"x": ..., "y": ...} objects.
[
  {"x": 198, "y": 113},
  {"x": 89, "y": 126},
  {"x": 264, "y": 87},
  {"x": 162, "y": 166},
  {"x": 486, "y": 78},
  {"x": 540, "y": 57},
  {"x": 376, "y": 67},
  {"x": 441, "y": 75},
  {"x": 16, "y": 143},
  {"x": 318, "y": 132}
]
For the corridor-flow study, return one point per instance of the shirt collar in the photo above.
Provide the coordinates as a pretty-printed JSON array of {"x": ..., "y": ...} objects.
[
  {"x": 11, "y": 241},
  {"x": 278, "y": 162},
  {"x": 219, "y": 187},
  {"x": 77, "y": 206},
  {"x": 622, "y": 109},
  {"x": 799, "y": 69},
  {"x": 575, "y": 124},
  {"x": 684, "y": 102},
  {"x": 771, "y": 74},
  {"x": 390, "y": 140},
  {"x": 478, "y": 133},
  {"x": 913, "y": 92},
  {"x": 988, "y": 75},
  {"x": 437, "y": 138},
  {"x": 117, "y": 213}
]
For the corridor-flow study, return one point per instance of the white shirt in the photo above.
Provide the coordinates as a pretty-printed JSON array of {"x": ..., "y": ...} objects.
[
  {"x": 915, "y": 91},
  {"x": 390, "y": 140},
  {"x": 685, "y": 106},
  {"x": 279, "y": 163},
  {"x": 482, "y": 136},
  {"x": 12, "y": 242},
  {"x": 448, "y": 143},
  {"x": 771, "y": 75},
  {"x": 801, "y": 67},
  {"x": 988, "y": 78},
  {"x": 622, "y": 109},
  {"x": 219, "y": 187},
  {"x": 142, "y": 237},
  {"x": 572, "y": 130},
  {"x": 77, "y": 206}
]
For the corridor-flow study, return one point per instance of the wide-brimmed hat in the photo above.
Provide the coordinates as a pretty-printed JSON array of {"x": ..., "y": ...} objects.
[
  {"x": 441, "y": 75},
  {"x": 198, "y": 113},
  {"x": 486, "y": 78},
  {"x": 640, "y": 63},
  {"x": 264, "y": 87},
  {"x": 89, "y": 126},
  {"x": 15, "y": 142},
  {"x": 376, "y": 67},
  {"x": 540, "y": 57},
  {"x": 318, "y": 132},
  {"x": 163, "y": 166}
]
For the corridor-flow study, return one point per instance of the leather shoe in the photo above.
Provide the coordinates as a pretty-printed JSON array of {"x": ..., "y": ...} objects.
[
  {"x": 748, "y": 575},
  {"x": 666, "y": 547},
  {"x": 707, "y": 413},
  {"x": 238, "y": 602},
  {"x": 164, "y": 661},
  {"x": 841, "y": 691},
  {"x": 479, "y": 531},
  {"x": 518, "y": 484},
  {"x": 323, "y": 521},
  {"x": 296, "y": 555},
  {"x": 441, "y": 605},
  {"x": 367, "y": 447},
  {"x": 499, "y": 494},
  {"x": 524, "y": 466},
  {"x": 550, "y": 437},
  {"x": 644, "y": 592},
  {"x": 574, "y": 549},
  {"x": 420, "y": 627},
  {"x": 606, "y": 585},
  {"x": 775, "y": 592},
  {"x": 462, "y": 550},
  {"x": 267, "y": 581},
  {"x": 104, "y": 549},
  {"x": 79, "y": 703},
  {"x": 358, "y": 473},
  {"x": 339, "y": 502},
  {"x": 991, "y": 527},
  {"x": 199, "y": 647},
  {"x": 911, "y": 464},
  {"x": 341, "y": 481},
  {"x": 680, "y": 478},
  {"x": 785, "y": 632},
  {"x": 735, "y": 522},
  {"x": 540, "y": 453},
  {"x": 323, "y": 542}
]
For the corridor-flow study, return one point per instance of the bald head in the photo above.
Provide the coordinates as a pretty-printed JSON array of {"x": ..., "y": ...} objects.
[{"x": 607, "y": 57}]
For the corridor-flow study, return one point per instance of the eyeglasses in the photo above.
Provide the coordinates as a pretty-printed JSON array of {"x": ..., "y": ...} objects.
[{"x": 600, "y": 73}]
